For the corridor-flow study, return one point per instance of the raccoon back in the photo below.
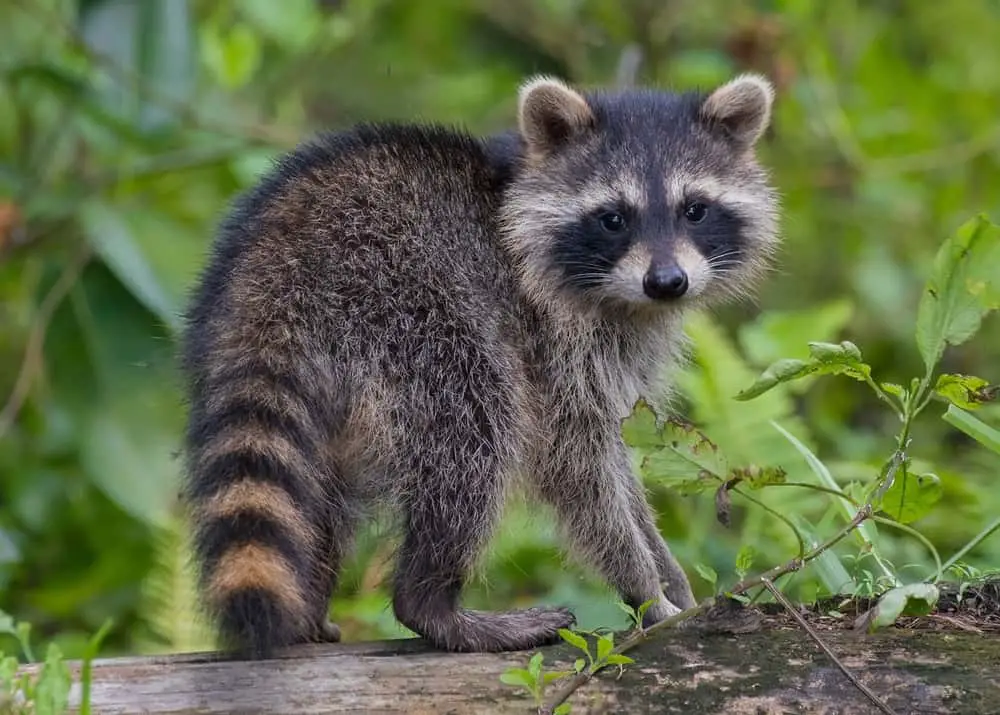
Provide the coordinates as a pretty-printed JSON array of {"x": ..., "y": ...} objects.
[{"x": 362, "y": 261}]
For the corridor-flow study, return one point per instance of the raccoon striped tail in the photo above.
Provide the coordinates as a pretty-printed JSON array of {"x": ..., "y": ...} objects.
[{"x": 255, "y": 492}]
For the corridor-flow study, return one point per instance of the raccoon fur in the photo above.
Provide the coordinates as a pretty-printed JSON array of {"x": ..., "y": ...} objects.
[{"x": 410, "y": 316}]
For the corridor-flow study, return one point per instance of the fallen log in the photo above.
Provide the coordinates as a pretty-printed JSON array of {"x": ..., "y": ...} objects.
[{"x": 771, "y": 670}]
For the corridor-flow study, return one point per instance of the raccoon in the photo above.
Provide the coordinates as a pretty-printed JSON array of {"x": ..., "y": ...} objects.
[{"x": 411, "y": 317}]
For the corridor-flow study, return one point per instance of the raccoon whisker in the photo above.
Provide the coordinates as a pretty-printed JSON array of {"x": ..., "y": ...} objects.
[{"x": 730, "y": 256}]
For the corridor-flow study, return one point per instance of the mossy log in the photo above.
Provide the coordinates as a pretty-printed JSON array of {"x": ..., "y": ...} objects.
[{"x": 773, "y": 670}]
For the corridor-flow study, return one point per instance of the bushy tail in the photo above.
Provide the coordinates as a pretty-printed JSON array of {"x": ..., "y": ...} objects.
[{"x": 254, "y": 490}]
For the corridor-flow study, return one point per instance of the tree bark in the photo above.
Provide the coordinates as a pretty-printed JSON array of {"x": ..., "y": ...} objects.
[{"x": 768, "y": 671}]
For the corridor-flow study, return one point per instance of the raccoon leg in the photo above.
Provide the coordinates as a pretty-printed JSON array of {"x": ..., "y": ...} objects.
[
  {"x": 262, "y": 501},
  {"x": 451, "y": 510},
  {"x": 673, "y": 580},
  {"x": 590, "y": 492},
  {"x": 338, "y": 532}
]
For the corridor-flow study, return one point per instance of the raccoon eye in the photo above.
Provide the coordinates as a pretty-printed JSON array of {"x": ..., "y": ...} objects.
[
  {"x": 695, "y": 212},
  {"x": 612, "y": 221}
]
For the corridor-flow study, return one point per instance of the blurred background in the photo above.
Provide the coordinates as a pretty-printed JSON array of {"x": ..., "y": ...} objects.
[{"x": 126, "y": 127}]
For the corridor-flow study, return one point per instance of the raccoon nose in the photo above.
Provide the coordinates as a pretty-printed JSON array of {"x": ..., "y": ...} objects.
[{"x": 665, "y": 281}]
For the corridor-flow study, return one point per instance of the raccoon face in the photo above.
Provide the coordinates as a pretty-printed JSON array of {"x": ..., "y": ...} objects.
[{"x": 640, "y": 198}]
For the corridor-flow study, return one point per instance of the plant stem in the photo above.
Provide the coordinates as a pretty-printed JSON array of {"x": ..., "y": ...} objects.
[
  {"x": 919, "y": 537},
  {"x": 885, "y": 397},
  {"x": 976, "y": 540},
  {"x": 778, "y": 515}
]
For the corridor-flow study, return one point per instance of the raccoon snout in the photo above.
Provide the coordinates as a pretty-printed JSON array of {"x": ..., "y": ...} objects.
[{"x": 665, "y": 281}]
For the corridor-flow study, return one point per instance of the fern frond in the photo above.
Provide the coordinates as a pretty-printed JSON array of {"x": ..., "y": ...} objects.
[{"x": 170, "y": 602}]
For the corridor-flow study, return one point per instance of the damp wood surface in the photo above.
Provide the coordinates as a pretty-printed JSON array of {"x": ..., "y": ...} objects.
[{"x": 775, "y": 669}]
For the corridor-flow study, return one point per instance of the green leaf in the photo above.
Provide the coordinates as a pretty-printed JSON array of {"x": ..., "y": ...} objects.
[
  {"x": 23, "y": 635},
  {"x": 866, "y": 529},
  {"x": 535, "y": 665},
  {"x": 577, "y": 641},
  {"x": 742, "y": 430},
  {"x": 619, "y": 659},
  {"x": 640, "y": 612},
  {"x": 627, "y": 610},
  {"x": 152, "y": 40},
  {"x": 232, "y": 54},
  {"x": 293, "y": 23},
  {"x": 971, "y": 425},
  {"x": 963, "y": 287},
  {"x": 7, "y": 624},
  {"x": 554, "y": 675},
  {"x": 119, "y": 444},
  {"x": 896, "y": 390},
  {"x": 54, "y": 682},
  {"x": 562, "y": 709},
  {"x": 578, "y": 664},
  {"x": 824, "y": 359},
  {"x": 110, "y": 237},
  {"x": 518, "y": 677},
  {"x": 911, "y": 496},
  {"x": 8, "y": 670},
  {"x": 916, "y": 599},
  {"x": 780, "y": 371},
  {"x": 707, "y": 573},
  {"x": 758, "y": 477},
  {"x": 688, "y": 461},
  {"x": 965, "y": 391},
  {"x": 639, "y": 429},
  {"x": 776, "y": 334},
  {"x": 605, "y": 644},
  {"x": 744, "y": 560}
]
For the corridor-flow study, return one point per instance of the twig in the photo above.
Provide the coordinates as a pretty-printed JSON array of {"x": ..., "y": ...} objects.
[
  {"x": 826, "y": 649},
  {"x": 643, "y": 635},
  {"x": 32, "y": 360}
]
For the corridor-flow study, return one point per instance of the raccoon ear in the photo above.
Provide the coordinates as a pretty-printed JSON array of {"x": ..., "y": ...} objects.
[
  {"x": 550, "y": 113},
  {"x": 741, "y": 108}
]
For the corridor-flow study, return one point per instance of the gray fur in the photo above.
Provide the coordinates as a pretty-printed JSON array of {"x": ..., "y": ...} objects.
[{"x": 388, "y": 313}]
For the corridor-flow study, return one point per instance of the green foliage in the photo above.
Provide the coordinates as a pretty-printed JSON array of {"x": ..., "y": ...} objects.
[
  {"x": 915, "y": 599},
  {"x": 47, "y": 691},
  {"x": 824, "y": 359},
  {"x": 126, "y": 127},
  {"x": 965, "y": 391},
  {"x": 963, "y": 287},
  {"x": 977, "y": 429},
  {"x": 635, "y": 615},
  {"x": 952, "y": 315}
]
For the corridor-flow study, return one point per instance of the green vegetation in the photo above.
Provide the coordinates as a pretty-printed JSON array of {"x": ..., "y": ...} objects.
[
  {"x": 126, "y": 127},
  {"x": 45, "y": 692},
  {"x": 964, "y": 286}
]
